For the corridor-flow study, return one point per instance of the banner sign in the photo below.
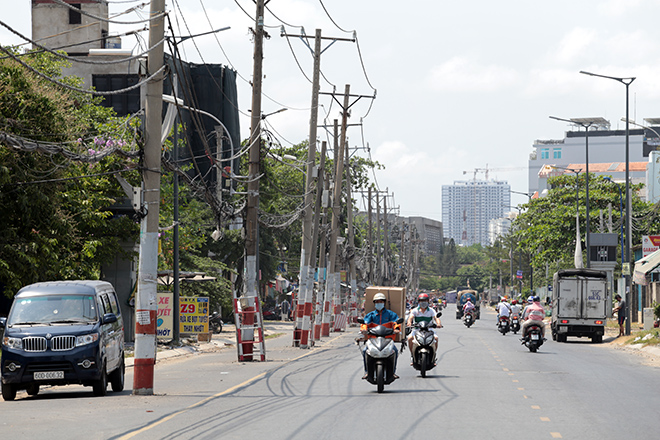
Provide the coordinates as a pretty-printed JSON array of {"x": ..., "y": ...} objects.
[
  {"x": 193, "y": 314},
  {"x": 650, "y": 244}
]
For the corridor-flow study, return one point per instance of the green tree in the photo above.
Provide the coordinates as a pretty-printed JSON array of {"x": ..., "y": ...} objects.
[{"x": 57, "y": 223}]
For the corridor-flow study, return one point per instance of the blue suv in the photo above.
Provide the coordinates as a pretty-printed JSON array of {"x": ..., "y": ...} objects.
[{"x": 60, "y": 333}]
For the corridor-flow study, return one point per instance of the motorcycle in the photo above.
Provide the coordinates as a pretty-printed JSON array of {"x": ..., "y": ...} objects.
[
  {"x": 515, "y": 324},
  {"x": 380, "y": 355},
  {"x": 503, "y": 325},
  {"x": 423, "y": 353},
  {"x": 533, "y": 338},
  {"x": 468, "y": 319},
  {"x": 215, "y": 323}
]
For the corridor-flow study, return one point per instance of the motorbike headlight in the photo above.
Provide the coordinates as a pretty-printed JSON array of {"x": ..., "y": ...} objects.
[
  {"x": 86, "y": 339},
  {"x": 15, "y": 343},
  {"x": 429, "y": 339}
]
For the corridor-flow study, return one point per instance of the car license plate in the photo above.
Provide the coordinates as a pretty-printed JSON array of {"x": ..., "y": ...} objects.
[
  {"x": 535, "y": 337},
  {"x": 46, "y": 375}
]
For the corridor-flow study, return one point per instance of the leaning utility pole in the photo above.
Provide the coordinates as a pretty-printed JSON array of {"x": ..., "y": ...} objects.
[
  {"x": 325, "y": 317},
  {"x": 252, "y": 218},
  {"x": 333, "y": 287},
  {"x": 315, "y": 243},
  {"x": 352, "y": 281},
  {"x": 370, "y": 276},
  {"x": 146, "y": 304},
  {"x": 304, "y": 313},
  {"x": 386, "y": 244},
  {"x": 379, "y": 267}
]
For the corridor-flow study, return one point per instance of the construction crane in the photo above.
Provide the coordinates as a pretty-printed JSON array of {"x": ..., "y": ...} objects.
[{"x": 487, "y": 170}]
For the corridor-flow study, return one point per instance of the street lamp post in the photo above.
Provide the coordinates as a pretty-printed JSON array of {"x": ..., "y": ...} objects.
[
  {"x": 586, "y": 123},
  {"x": 627, "y": 270}
]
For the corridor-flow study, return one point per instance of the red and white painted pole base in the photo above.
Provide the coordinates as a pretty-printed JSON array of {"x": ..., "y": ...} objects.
[{"x": 145, "y": 352}]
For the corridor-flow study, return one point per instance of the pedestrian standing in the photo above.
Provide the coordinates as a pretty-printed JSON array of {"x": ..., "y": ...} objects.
[
  {"x": 285, "y": 307},
  {"x": 620, "y": 309}
]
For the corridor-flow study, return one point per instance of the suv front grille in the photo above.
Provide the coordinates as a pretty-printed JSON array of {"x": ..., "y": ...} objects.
[
  {"x": 34, "y": 343},
  {"x": 63, "y": 343}
]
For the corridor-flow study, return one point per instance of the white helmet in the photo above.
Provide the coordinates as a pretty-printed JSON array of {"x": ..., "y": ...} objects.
[{"x": 380, "y": 296}]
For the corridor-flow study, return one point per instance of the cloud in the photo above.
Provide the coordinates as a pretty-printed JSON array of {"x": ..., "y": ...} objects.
[
  {"x": 460, "y": 74},
  {"x": 616, "y": 8},
  {"x": 575, "y": 44}
]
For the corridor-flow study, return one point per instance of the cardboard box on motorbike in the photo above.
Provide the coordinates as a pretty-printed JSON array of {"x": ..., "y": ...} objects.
[{"x": 396, "y": 302}]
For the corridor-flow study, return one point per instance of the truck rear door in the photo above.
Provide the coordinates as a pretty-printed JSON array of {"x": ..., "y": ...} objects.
[
  {"x": 568, "y": 298},
  {"x": 593, "y": 299}
]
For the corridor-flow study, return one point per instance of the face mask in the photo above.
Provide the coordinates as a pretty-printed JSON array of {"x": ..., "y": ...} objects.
[
  {"x": 380, "y": 306},
  {"x": 424, "y": 304}
]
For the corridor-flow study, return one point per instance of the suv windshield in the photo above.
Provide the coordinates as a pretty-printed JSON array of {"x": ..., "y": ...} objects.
[{"x": 53, "y": 309}]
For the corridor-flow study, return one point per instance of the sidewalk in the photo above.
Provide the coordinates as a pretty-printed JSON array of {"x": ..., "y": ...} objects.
[{"x": 222, "y": 341}]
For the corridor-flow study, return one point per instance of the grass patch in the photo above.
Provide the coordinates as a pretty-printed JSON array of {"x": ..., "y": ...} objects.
[
  {"x": 274, "y": 335},
  {"x": 646, "y": 337}
]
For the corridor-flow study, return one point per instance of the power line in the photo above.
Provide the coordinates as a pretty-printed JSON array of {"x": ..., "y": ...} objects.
[{"x": 108, "y": 20}]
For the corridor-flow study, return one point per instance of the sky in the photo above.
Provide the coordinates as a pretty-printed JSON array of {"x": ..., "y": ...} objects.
[{"x": 459, "y": 86}]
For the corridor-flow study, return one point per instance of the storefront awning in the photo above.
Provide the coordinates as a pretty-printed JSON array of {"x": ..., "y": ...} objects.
[{"x": 644, "y": 266}]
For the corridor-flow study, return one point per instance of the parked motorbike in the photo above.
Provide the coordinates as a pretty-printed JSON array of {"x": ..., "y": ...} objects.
[
  {"x": 423, "y": 353},
  {"x": 468, "y": 319},
  {"x": 533, "y": 338},
  {"x": 503, "y": 325},
  {"x": 215, "y": 323},
  {"x": 380, "y": 355},
  {"x": 515, "y": 324}
]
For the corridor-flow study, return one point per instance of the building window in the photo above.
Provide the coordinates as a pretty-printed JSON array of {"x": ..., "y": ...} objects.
[
  {"x": 545, "y": 153},
  {"x": 123, "y": 103},
  {"x": 556, "y": 152},
  {"x": 75, "y": 17}
]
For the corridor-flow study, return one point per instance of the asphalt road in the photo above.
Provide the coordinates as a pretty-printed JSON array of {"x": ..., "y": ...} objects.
[{"x": 486, "y": 386}]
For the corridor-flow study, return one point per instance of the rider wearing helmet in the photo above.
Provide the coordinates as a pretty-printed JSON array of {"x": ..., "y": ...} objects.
[
  {"x": 503, "y": 309},
  {"x": 468, "y": 307},
  {"x": 515, "y": 308},
  {"x": 380, "y": 316},
  {"x": 533, "y": 314},
  {"x": 422, "y": 313}
]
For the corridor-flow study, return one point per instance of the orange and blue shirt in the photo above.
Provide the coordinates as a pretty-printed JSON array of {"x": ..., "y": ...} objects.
[{"x": 385, "y": 317}]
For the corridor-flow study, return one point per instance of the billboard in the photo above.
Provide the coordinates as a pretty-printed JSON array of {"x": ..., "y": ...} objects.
[
  {"x": 650, "y": 244},
  {"x": 193, "y": 314}
]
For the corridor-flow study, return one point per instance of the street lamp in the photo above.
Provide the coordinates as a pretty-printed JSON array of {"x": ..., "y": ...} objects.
[
  {"x": 586, "y": 123},
  {"x": 625, "y": 266}
]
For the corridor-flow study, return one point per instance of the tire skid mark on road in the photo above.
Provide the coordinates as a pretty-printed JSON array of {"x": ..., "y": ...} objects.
[{"x": 221, "y": 394}]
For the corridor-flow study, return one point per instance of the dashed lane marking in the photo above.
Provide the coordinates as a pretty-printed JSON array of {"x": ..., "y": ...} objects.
[
  {"x": 545, "y": 419},
  {"x": 536, "y": 407},
  {"x": 556, "y": 435}
]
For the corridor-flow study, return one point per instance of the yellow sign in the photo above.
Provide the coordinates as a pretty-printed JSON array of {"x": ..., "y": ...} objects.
[
  {"x": 625, "y": 269},
  {"x": 193, "y": 314}
]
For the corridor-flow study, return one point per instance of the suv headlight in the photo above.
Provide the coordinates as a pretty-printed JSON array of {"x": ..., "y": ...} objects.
[
  {"x": 15, "y": 343},
  {"x": 86, "y": 339}
]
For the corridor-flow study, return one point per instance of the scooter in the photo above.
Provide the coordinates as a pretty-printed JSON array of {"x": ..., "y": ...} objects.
[
  {"x": 215, "y": 323},
  {"x": 533, "y": 338},
  {"x": 423, "y": 353},
  {"x": 379, "y": 355},
  {"x": 468, "y": 319},
  {"x": 503, "y": 325},
  {"x": 515, "y": 324}
]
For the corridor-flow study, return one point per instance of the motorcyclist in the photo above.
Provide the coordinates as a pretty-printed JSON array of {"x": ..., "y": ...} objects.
[
  {"x": 380, "y": 316},
  {"x": 515, "y": 308},
  {"x": 533, "y": 314},
  {"x": 503, "y": 309},
  {"x": 422, "y": 313},
  {"x": 468, "y": 307}
]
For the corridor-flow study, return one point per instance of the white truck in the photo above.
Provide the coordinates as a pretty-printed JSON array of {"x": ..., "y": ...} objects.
[{"x": 581, "y": 304}]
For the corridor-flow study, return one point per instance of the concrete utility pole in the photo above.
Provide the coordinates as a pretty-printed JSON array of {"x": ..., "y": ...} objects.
[
  {"x": 334, "y": 231},
  {"x": 386, "y": 245},
  {"x": 146, "y": 298},
  {"x": 315, "y": 242},
  {"x": 379, "y": 265},
  {"x": 333, "y": 289},
  {"x": 352, "y": 277},
  {"x": 252, "y": 220},
  {"x": 304, "y": 315},
  {"x": 325, "y": 316},
  {"x": 370, "y": 277}
]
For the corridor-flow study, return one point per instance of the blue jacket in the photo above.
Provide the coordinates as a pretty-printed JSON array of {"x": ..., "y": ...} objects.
[{"x": 381, "y": 317}]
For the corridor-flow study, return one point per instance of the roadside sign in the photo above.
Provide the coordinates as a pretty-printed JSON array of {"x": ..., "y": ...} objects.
[
  {"x": 165, "y": 315},
  {"x": 193, "y": 314},
  {"x": 650, "y": 244}
]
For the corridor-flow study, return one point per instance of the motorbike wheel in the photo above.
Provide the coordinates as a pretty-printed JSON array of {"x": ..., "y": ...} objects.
[
  {"x": 423, "y": 364},
  {"x": 380, "y": 377},
  {"x": 533, "y": 348}
]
